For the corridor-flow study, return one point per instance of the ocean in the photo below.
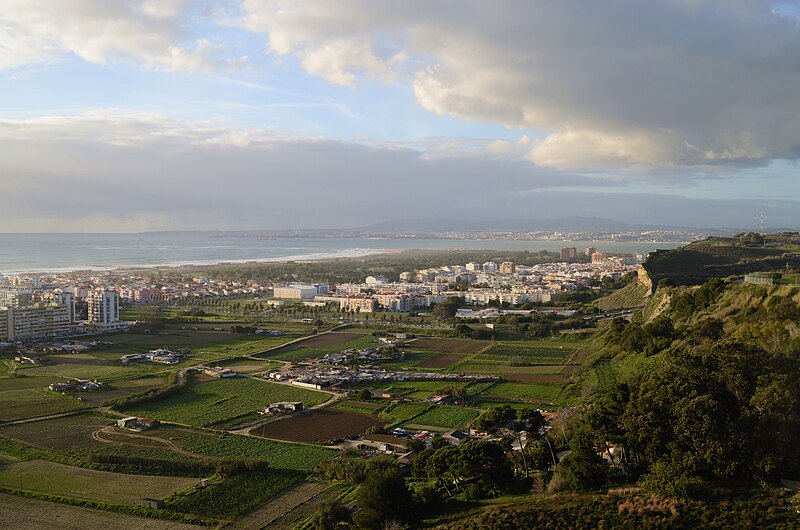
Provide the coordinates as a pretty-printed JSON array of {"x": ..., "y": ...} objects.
[{"x": 20, "y": 253}]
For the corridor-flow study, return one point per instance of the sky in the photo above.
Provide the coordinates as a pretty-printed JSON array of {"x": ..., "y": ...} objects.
[{"x": 137, "y": 115}]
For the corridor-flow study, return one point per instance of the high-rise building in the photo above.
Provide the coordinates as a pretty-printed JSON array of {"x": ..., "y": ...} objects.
[
  {"x": 15, "y": 297},
  {"x": 35, "y": 321},
  {"x": 598, "y": 257},
  {"x": 507, "y": 267},
  {"x": 103, "y": 308},
  {"x": 589, "y": 251},
  {"x": 490, "y": 266},
  {"x": 473, "y": 267},
  {"x": 568, "y": 253}
]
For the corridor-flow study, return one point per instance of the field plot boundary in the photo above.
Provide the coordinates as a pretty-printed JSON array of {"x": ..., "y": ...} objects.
[
  {"x": 448, "y": 345},
  {"x": 74, "y": 513},
  {"x": 307, "y": 421},
  {"x": 104, "y": 486},
  {"x": 272, "y": 510}
]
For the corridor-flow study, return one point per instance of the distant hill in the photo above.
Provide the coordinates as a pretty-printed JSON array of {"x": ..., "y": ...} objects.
[
  {"x": 718, "y": 257},
  {"x": 566, "y": 224}
]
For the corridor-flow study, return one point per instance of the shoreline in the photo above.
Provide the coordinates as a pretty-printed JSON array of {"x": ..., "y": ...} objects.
[
  {"x": 304, "y": 258},
  {"x": 150, "y": 257}
]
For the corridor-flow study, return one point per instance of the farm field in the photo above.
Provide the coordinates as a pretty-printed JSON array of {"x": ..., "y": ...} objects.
[
  {"x": 319, "y": 426},
  {"x": 206, "y": 344},
  {"x": 64, "y": 434},
  {"x": 33, "y": 514},
  {"x": 526, "y": 353},
  {"x": 276, "y": 508},
  {"x": 448, "y": 345},
  {"x": 36, "y": 401},
  {"x": 445, "y": 416},
  {"x": 442, "y": 360},
  {"x": 235, "y": 495},
  {"x": 527, "y": 392},
  {"x": 59, "y": 479},
  {"x": 119, "y": 389},
  {"x": 221, "y": 400},
  {"x": 246, "y": 365},
  {"x": 359, "y": 406},
  {"x": 416, "y": 389},
  {"x": 319, "y": 345},
  {"x": 279, "y": 455},
  {"x": 88, "y": 366},
  {"x": 401, "y": 412}
]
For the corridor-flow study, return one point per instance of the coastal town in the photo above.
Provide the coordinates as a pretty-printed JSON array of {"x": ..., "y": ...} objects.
[{"x": 37, "y": 306}]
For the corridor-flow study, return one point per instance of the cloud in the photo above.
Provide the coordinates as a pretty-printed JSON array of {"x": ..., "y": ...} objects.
[
  {"x": 154, "y": 34},
  {"x": 135, "y": 170},
  {"x": 617, "y": 85}
]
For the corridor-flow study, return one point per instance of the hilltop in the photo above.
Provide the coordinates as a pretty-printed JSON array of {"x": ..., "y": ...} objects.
[{"x": 719, "y": 257}]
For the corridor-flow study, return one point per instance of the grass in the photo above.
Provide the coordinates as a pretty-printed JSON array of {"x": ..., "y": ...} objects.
[
  {"x": 64, "y": 434},
  {"x": 59, "y": 479},
  {"x": 447, "y": 416},
  {"x": 222, "y": 400}
]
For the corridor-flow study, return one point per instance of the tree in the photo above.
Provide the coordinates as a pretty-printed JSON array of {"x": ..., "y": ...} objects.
[
  {"x": 330, "y": 515},
  {"x": 583, "y": 468},
  {"x": 382, "y": 498}
]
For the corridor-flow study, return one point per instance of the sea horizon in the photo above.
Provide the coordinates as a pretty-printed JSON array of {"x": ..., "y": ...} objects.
[{"x": 65, "y": 252}]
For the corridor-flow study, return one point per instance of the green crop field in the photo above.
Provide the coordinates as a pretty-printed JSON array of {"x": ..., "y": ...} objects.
[
  {"x": 301, "y": 352},
  {"x": 486, "y": 368},
  {"x": 58, "y": 479},
  {"x": 224, "y": 399},
  {"x": 528, "y": 353},
  {"x": 359, "y": 406},
  {"x": 36, "y": 401},
  {"x": 65, "y": 434},
  {"x": 401, "y": 412},
  {"x": 529, "y": 392},
  {"x": 450, "y": 417},
  {"x": 89, "y": 366},
  {"x": 279, "y": 455},
  {"x": 235, "y": 495}
]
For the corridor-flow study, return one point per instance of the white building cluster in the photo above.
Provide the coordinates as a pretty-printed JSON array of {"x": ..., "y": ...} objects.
[{"x": 488, "y": 283}]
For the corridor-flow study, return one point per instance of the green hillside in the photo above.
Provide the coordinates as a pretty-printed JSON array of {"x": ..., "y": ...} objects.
[{"x": 719, "y": 257}]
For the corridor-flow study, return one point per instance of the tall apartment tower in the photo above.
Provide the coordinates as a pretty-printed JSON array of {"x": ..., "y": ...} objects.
[
  {"x": 103, "y": 307},
  {"x": 507, "y": 267}
]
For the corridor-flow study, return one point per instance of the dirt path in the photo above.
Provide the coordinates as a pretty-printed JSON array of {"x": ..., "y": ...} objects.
[
  {"x": 109, "y": 429},
  {"x": 276, "y": 508}
]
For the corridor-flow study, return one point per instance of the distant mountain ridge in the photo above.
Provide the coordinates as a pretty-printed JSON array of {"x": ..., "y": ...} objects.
[{"x": 566, "y": 224}]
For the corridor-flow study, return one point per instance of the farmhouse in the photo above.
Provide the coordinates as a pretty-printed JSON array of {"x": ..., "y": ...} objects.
[
  {"x": 218, "y": 371},
  {"x": 76, "y": 384},
  {"x": 137, "y": 424},
  {"x": 284, "y": 407}
]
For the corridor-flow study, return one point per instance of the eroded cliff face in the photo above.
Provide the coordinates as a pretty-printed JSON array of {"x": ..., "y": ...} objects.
[{"x": 644, "y": 279}]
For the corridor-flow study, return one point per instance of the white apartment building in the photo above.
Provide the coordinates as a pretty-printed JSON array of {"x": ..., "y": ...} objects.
[
  {"x": 15, "y": 297},
  {"x": 103, "y": 308},
  {"x": 490, "y": 266},
  {"x": 35, "y": 321},
  {"x": 297, "y": 291}
]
